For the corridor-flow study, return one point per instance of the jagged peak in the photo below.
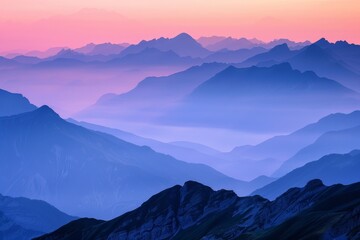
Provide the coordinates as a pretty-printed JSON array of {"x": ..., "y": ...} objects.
[
  {"x": 322, "y": 43},
  {"x": 341, "y": 43}
]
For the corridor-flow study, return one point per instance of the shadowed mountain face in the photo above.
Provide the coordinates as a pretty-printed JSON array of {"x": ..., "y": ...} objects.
[
  {"x": 341, "y": 141},
  {"x": 13, "y": 103},
  {"x": 194, "y": 211},
  {"x": 279, "y": 94},
  {"x": 84, "y": 172},
  {"x": 331, "y": 169},
  {"x": 22, "y": 218}
]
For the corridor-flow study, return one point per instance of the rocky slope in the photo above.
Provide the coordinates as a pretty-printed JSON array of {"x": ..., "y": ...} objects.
[{"x": 195, "y": 211}]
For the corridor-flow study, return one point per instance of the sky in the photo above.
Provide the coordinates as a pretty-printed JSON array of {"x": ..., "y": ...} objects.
[{"x": 41, "y": 24}]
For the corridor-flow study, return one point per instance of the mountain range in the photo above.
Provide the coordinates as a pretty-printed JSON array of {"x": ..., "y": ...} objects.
[
  {"x": 229, "y": 43},
  {"x": 102, "y": 49},
  {"x": 283, "y": 147},
  {"x": 279, "y": 92},
  {"x": 329, "y": 63},
  {"x": 195, "y": 211},
  {"x": 331, "y": 169},
  {"x": 331, "y": 60},
  {"x": 183, "y": 45},
  {"x": 341, "y": 141},
  {"x": 88, "y": 173},
  {"x": 14, "y": 103},
  {"x": 160, "y": 93}
]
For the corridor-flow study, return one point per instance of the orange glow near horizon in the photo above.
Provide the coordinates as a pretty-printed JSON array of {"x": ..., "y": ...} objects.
[{"x": 41, "y": 24}]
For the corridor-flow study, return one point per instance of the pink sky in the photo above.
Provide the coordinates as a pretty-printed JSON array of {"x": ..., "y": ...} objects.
[{"x": 40, "y": 24}]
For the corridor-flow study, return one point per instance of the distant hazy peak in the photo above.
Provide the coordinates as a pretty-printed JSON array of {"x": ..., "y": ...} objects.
[
  {"x": 282, "y": 47},
  {"x": 322, "y": 43},
  {"x": 184, "y": 36}
]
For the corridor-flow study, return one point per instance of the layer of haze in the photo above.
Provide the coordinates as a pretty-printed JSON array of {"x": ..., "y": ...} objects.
[{"x": 40, "y": 24}]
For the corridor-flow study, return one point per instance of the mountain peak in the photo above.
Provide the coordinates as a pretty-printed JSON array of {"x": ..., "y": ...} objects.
[
  {"x": 322, "y": 43},
  {"x": 184, "y": 36},
  {"x": 282, "y": 47},
  {"x": 194, "y": 184},
  {"x": 313, "y": 184},
  {"x": 46, "y": 111},
  {"x": 341, "y": 43}
]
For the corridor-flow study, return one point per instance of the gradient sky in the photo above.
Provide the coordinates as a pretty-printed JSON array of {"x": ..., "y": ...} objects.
[{"x": 40, "y": 24}]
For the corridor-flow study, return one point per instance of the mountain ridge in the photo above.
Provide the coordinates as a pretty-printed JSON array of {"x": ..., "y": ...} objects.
[{"x": 195, "y": 211}]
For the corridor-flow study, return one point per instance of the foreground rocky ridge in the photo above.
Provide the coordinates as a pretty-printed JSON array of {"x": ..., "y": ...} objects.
[{"x": 195, "y": 211}]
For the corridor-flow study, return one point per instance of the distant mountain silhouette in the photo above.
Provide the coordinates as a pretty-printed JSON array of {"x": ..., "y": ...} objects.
[
  {"x": 193, "y": 154},
  {"x": 85, "y": 49},
  {"x": 183, "y": 45},
  {"x": 6, "y": 63},
  {"x": 83, "y": 172},
  {"x": 45, "y": 54},
  {"x": 234, "y": 56},
  {"x": 206, "y": 41},
  {"x": 195, "y": 211},
  {"x": 101, "y": 49},
  {"x": 27, "y": 60},
  {"x": 22, "y": 218},
  {"x": 14, "y": 103},
  {"x": 151, "y": 57},
  {"x": 148, "y": 57},
  {"x": 346, "y": 52},
  {"x": 285, "y": 146},
  {"x": 160, "y": 93},
  {"x": 331, "y": 169},
  {"x": 266, "y": 157},
  {"x": 74, "y": 55},
  {"x": 179, "y": 151},
  {"x": 341, "y": 141},
  {"x": 279, "y": 92},
  {"x": 196, "y": 146},
  {"x": 276, "y": 55},
  {"x": 293, "y": 45},
  {"x": 62, "y": 62},
  {"x": 229, "y": 43},
  {"x": 326, "y": 63}
]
